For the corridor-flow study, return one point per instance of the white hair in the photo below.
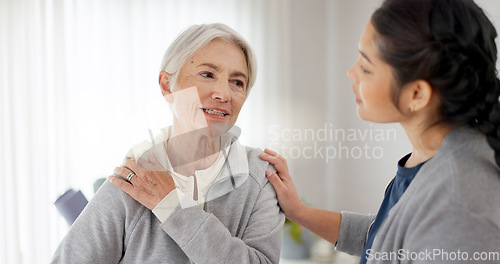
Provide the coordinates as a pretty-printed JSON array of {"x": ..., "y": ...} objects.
[{"x": 196, "y": 37}]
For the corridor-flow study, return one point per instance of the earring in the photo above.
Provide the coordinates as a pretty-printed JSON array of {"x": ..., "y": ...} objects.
[{"x": 411, "y": 109}]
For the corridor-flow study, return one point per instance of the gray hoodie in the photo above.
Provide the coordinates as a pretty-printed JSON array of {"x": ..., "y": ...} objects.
[{"x": 241, "y": 223}]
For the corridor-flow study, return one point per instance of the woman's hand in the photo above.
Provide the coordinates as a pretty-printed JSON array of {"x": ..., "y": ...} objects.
[
  {"x": 288, "y": 197},
  {"x": 323, "y": 223},
  {"x": 150, "y": 184}
]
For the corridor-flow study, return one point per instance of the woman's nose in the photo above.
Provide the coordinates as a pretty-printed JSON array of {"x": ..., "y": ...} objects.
[
  {"x": 221, "y": 91},
  {"x": 351, "y": 74}
]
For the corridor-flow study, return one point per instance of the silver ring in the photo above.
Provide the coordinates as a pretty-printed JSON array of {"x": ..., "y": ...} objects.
[{"x": 130, "y": 176}]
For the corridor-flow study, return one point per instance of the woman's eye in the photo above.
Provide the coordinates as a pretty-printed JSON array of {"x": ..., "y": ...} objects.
[
  {"x": 207, "y": 74},
  {"x": 364, "y": 69},
  {"x": 239, "y": 84}
]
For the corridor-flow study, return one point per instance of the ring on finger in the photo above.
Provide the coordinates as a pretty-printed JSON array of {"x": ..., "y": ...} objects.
[{"x": 130, "y": 176}]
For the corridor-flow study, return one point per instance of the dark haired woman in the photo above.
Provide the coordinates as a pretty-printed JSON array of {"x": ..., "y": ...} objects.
[{"x": 429, "y": 65}]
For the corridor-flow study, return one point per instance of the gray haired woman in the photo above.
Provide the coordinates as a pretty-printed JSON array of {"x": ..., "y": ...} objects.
[{"x": 194, "y": 194}]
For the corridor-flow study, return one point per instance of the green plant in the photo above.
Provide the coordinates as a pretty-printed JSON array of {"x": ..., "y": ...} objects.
[{"x": 295, "y": 231}]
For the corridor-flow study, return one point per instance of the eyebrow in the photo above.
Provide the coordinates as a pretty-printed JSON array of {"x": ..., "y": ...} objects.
[
  {"x": 216, "y": 68},
  {"x": 366, "y": 57},
  {"x": 210, "y": 65}
]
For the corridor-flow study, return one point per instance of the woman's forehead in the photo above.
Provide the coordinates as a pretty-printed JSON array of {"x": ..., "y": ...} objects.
[{"x": 219, "y": 54}]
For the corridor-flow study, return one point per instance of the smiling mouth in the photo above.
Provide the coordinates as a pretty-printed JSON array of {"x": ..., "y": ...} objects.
[{"x": 214, "y": 112}]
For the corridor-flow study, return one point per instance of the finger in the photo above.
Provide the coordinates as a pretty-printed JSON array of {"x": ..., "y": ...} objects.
[
  {"x": 277, "y": 155},
  {"x": 271, "y": 152},
  {"x": 132, "y": 165},
  {"x": 280, "y": 167},
  {"x": 274, "y": 153},
  {"x": 270, "y": 158},
  {"x": 143, "y": 178},
  {"x": 122, "y": 184},
  {"x": 275, "y": 180},
  {"x": 265, "y": 156},
  {"x": 126, "y": 174},
  {"x": 278, "y": 163},
  {"x": 122, "y": 172}
]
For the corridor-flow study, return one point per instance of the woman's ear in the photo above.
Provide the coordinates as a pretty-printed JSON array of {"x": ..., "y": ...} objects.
[
  {"x": 419, "y": 95},
  {"x": 164, "y": 80}
]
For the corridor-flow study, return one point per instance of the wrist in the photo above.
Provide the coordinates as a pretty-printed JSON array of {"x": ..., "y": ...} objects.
[{"x": 299, "y": 212}]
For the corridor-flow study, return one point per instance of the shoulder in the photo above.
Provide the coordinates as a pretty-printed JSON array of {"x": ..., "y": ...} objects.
[
  {"x": 110, "y": 200},
  {"x": 465, "y": 173},
  {"x": 256, "y": 166},
  {"x": 470, "y": 161},
  {"x": 464, "y": 157},
  {"x": 109, "y": 192}
]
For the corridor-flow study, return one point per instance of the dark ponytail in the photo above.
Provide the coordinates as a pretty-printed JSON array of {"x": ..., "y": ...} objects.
[
  {"x": 491, "y": 127},
  {"x": 450, "y": 44}
]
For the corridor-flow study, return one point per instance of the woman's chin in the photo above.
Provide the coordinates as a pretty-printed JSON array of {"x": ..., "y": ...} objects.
[
  {"x": 217, "y": 129},
  {"x": 361, "y": 114}
]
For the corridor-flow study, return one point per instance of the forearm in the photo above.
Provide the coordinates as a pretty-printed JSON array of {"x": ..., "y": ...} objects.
[
  {"x": 204, "y": 239},
  {"x": 323, "y": 223}
]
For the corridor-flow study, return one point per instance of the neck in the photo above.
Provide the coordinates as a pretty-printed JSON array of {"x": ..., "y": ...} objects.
[
  {"x": 425, "y": 139},
  {"x": 189, "y": 151}
]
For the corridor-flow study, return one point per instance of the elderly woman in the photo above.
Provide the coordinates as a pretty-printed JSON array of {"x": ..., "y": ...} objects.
[{"x": 194, "y": 194}]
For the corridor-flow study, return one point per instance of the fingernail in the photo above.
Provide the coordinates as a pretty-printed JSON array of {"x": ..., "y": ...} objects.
[
  {"x": 110, "y": 178},
  {"x": 269, "y": 173}
]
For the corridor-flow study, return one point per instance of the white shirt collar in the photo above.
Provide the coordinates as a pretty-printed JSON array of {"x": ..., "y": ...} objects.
[{"x": 231, "y": 161}]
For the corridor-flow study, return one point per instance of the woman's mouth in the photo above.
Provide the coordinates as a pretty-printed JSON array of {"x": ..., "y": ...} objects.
[
  {"x": 214, "y": 112},
  {"x": 358, "y": 100}
]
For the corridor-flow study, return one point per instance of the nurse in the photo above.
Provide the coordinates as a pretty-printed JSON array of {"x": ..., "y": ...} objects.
[{"x": 429, "y": 65}]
